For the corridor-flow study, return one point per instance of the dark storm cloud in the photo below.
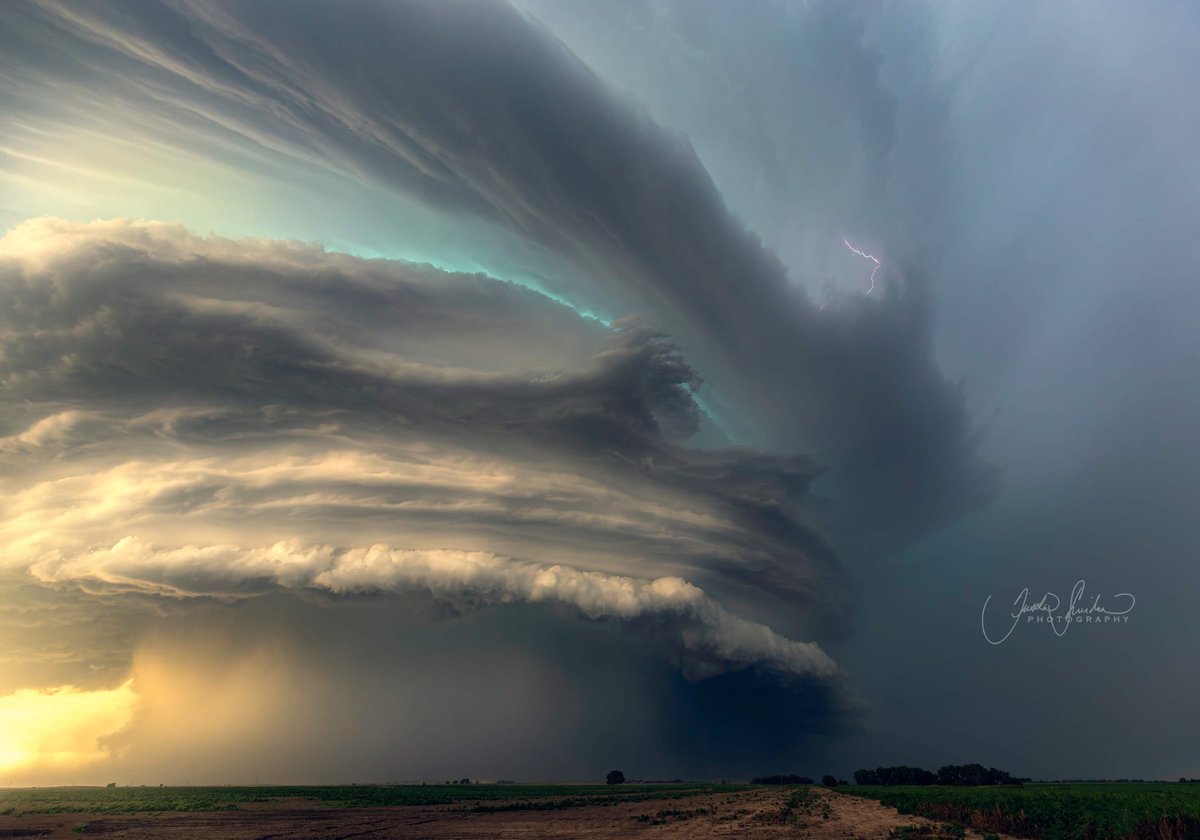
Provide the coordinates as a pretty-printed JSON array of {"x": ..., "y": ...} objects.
[
  {"x": 475, "y": 109},
  {"x": 1040, "y": 158},
  {"x": 253, "y": 450},
  {"x": 197, "y": 418}
]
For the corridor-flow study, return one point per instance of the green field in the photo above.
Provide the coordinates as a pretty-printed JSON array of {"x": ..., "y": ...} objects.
[
  {"x": 1099, "y": 811},
  {"x": 124, "y": 800}
]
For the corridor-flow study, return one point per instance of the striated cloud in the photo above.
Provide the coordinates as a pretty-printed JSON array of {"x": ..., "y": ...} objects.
[
  {"x": 474, "y": 109},
  {"x": 204, "y": 418}
]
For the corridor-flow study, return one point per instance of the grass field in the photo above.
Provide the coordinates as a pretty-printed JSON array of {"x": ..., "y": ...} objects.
[
  {"x": 1141, "y": 811},
  {"x": 124, "y": 800}
]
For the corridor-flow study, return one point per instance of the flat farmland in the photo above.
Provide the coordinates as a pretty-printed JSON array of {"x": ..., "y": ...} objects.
[
  {"x": 468, "y": 812},
  {"x": 1054, "y": 811}
]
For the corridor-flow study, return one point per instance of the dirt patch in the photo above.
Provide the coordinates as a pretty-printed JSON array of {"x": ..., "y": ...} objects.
[{"x": 753, "y": 814}]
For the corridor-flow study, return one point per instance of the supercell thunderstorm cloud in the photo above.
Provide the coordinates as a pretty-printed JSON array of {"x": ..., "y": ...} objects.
[{"x": 412, "y": 388}]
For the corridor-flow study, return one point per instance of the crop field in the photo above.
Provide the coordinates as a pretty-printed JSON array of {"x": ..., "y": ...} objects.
[
  {"x": 1101, "y": 811},
  {"x": 1136, "y": 811},
  {"x": 481, "y": 797}
]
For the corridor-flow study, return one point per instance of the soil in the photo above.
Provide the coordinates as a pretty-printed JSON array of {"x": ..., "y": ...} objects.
[{"x": 753, "y": 814}]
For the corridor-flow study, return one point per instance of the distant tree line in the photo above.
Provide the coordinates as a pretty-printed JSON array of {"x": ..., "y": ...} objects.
[
  {"x": 899, "y": 775},
  {"x": 781, "y": 779},
  {"x": 951, "y": 774}
]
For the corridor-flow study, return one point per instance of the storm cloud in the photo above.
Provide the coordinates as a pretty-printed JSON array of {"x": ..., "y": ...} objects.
[
  {"x": 517, "y": 131},
  {"x": 577, "y": 428},
  {"x": 165, "y": 388}
]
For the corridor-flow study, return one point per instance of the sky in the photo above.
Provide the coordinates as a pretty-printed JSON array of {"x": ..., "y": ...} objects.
[{"x": 411, "y": 390}]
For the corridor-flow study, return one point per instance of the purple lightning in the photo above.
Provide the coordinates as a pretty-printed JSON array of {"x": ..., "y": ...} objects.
[{"x": 865, "y": 256}]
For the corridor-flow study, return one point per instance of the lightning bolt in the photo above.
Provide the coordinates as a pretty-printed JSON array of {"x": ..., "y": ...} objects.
[{"x": 867, "y": 256}]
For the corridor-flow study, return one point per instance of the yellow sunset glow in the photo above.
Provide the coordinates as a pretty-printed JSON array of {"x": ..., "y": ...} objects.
[{"x": 60, "y": 727}]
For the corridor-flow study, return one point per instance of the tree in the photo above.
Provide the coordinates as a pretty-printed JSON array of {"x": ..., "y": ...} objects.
[
  {"x": 615, "y": 777},
  {"x": 829, "y": 781},
  {"x": 973, "y": 774}
]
